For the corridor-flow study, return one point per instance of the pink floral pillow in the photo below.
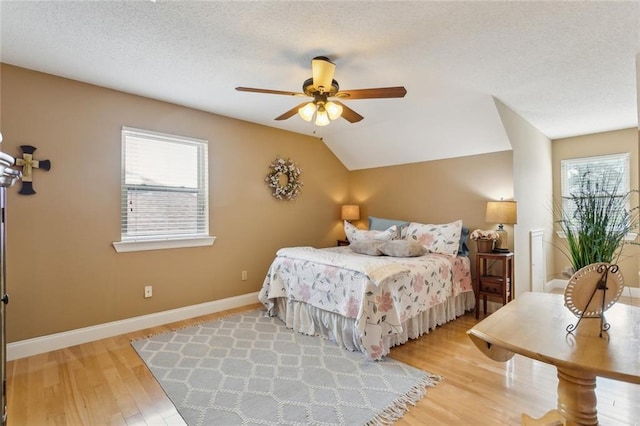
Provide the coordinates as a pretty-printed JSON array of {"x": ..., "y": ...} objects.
[
  {"x": 355, "y": 234},
  {"x": 443, "y": 239}
]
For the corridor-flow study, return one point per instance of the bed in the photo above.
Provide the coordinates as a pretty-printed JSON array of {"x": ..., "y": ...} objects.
[{"x": 369, "y": 303}]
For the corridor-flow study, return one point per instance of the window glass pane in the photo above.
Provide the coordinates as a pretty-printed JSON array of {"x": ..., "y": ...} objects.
[
  {"x": 609, "y": 172},
  {"x": 610, "y": 169},
  {"x": 151, "y": 162},
  {"x": 164, "y": 186},
  {"x": 161, "y": 213}
]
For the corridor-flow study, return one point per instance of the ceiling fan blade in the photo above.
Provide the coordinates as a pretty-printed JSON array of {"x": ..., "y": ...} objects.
[
  {"x": 268, "y": 91},
  {"x": 348, "y": 114},
  {"x": 293, "y": 111},
  {"x": 379, "y": 92},
  {"x": 322, "y": 70}
]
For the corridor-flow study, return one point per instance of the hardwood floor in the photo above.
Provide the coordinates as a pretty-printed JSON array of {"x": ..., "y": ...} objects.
[{"x": 105, "y": 382}]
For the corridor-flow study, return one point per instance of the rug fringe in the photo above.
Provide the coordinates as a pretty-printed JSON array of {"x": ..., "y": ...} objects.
[{"x": 400, "y": 406}]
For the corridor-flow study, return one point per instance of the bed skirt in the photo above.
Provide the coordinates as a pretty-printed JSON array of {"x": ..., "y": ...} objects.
[{"x": 310, "y": 320}]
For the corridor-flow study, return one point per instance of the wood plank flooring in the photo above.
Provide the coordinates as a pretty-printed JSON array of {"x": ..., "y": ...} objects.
[{"x": 105, "y": 383}]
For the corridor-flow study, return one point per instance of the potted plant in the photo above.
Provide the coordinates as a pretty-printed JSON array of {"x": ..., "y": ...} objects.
[
  {"x": 484, "y": 239},
  {"x": 597, "y": 219}
]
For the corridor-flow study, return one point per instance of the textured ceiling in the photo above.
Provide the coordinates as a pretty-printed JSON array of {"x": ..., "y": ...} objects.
[{"x": 569, "y": 68}]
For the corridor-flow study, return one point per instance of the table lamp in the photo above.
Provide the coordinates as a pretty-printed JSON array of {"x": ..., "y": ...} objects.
[
  {"x": 350, "y": 212},
  {"x": 502, "y": 212}
]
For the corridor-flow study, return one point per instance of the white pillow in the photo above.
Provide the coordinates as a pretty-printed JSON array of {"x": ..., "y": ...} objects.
[
  {"x": 355, "y": 234},
  {"x": 443, "y": 239}
]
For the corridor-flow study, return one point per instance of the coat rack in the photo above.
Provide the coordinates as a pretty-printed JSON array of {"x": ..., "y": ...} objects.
[{"x": 8, "y": 177}]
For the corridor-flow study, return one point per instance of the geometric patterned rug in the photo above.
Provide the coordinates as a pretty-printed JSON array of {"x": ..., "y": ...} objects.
[{"x": 249, "y": 369}]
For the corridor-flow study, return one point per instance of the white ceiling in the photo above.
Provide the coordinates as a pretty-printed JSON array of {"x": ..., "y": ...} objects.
[{"x": 569, "y": 68}]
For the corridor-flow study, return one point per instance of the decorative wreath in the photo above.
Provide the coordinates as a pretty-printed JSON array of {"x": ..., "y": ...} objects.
[{"x": 284, "y": 179}]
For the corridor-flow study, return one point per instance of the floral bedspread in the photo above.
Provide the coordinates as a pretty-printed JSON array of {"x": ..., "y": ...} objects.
[{"x": 380, "y": 293}]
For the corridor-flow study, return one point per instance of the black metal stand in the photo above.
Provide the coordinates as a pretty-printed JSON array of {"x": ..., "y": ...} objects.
[
  {"x": 4, "y": 300},
  {"x": 8, "y": 177},
  {"x": 600, "y": 286}
]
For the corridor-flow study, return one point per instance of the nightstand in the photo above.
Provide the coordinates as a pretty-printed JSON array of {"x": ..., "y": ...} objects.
[
  {"x": 342, "y": 243},
  {"x": 491, "y": 284}
]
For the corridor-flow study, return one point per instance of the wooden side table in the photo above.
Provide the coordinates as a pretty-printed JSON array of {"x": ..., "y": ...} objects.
[
  {"x": 489, "y": 284},
  {"x": 342, "y": 243}
]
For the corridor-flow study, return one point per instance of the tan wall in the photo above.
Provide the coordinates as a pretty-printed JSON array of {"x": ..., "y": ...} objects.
[
  {"x": 63, "y": 272},
  {"x": 586, "y": 146},
  {"x": 435, "y": 191}
]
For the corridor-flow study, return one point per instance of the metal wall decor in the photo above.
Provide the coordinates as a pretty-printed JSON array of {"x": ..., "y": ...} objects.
[{"x": 28, "y": 163}]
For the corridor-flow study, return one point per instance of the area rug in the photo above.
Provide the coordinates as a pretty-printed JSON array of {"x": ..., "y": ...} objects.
[{"x": 249, "y": 369}]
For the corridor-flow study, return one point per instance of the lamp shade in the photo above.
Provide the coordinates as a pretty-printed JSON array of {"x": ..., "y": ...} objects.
[
  {"x": 350, "y": 212},
  {"x": 333, "y": 109},
  {"x": 307, "y": 111},
  {"x": 322, "y": 118},
  {"x": 502, "y": 212}
]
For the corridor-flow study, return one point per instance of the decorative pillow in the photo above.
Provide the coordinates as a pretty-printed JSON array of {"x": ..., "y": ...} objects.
[
  {"x": 463, "y": 250},
  {"x": 402, "y": 248},
  {"x": 379, "y": 224},
  {"x": 443, "y": 239},
  {"x": 355, "y": 234},
  {"x": 368, "y": 247}
]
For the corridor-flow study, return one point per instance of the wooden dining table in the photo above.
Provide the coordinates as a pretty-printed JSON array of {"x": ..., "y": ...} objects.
[{"x": 534, "y": 325}]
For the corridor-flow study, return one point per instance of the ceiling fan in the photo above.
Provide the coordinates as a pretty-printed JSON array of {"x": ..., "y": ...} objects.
[{"x": 321, "y": 86}]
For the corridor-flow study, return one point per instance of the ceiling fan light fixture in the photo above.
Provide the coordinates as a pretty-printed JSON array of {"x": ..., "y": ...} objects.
[
  {"x": 322, "y": 118},
  {"x": 333, "y": 109},
  {"x": 307, "y": 111},
  {"x": 322, "y": 86}
]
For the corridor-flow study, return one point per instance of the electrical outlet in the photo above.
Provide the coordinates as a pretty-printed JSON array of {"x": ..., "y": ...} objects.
[
  {"x": 148, "y": 291},
  {"x": 244, "y": 275}
]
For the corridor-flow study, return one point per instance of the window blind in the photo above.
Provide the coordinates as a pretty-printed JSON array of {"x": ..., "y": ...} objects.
[
  {"x": 164, "y": 186},
  {"x": 611, "y": 170}
]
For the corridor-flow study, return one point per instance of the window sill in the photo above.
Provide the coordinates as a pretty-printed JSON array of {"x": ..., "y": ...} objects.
[
  {"x": 127, "y": 246},
  {"x": 631, "y": 236}
]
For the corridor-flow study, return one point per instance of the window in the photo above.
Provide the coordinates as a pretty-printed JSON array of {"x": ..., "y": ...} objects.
[
  {"x": 164, "y": 200},
  {"x": 611, "y": 169}
]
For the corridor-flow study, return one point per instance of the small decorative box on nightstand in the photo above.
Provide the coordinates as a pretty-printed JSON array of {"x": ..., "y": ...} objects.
[{"x": 488, "y": 283}]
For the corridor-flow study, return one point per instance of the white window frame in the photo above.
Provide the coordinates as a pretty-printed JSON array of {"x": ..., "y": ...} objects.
[
  {"x": 201, "y": 237},
  {"x": 567, "y": 164}
]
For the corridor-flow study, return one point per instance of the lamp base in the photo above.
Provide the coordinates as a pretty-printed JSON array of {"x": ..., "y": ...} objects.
[{"x": 502, "y": 243}]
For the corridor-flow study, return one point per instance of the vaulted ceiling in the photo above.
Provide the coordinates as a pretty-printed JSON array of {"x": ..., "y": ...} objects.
[{"x": 569, "y": 68}]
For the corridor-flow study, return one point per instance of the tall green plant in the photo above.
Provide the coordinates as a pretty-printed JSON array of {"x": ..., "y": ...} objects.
[{"x": 595, "y": 231}]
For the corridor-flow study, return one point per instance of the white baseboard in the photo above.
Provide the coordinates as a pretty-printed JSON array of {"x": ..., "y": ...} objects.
[
  {"x": 52, "y": 342},
  {"x": 633, "y": 292},
  {"x": 555, "y": 283}
]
